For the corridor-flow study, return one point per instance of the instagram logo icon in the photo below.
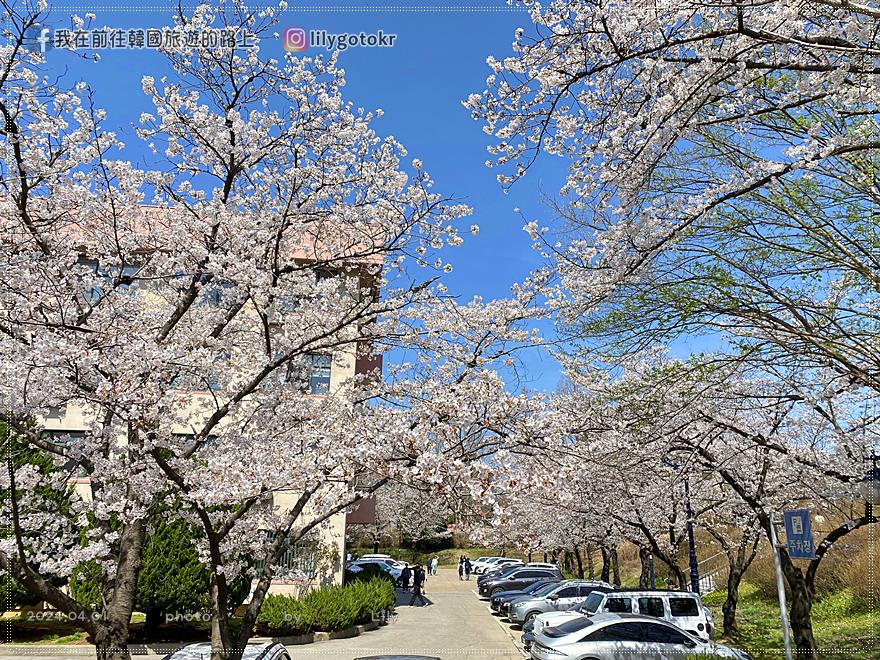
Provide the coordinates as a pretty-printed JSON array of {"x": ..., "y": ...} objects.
[{"x": 296, "y": 40}]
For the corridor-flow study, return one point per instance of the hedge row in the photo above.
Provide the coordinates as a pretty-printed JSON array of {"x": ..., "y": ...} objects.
[{"x": 327, "y": 610}]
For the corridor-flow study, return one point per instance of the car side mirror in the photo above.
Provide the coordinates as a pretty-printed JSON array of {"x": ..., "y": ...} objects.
[
  {"x": 553, "y": 596},
  {"x": 690, "y": 643}
]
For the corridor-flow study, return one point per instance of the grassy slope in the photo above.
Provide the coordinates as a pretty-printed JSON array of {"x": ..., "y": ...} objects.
[{"x": 843, "y": 630}]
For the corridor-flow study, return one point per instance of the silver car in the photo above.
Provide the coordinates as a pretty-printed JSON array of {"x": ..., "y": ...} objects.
[
  {"x": 624, "y": 637},
  {"x": 252, "y": 651},
  {"x": 562, "y": 597}
]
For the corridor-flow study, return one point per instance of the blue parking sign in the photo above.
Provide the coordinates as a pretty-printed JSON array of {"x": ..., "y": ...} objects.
[{"x": 799, "y": 534}]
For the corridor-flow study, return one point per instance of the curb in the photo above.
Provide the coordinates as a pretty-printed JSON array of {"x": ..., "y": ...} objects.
[{"x": 311, "y": 638}]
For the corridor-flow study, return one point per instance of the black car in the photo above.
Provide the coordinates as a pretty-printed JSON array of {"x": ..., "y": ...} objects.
[
  {"x": 518, "y": 579},
  {"x": 499, "y": 601},
  {"x": 491, "y": 575}
]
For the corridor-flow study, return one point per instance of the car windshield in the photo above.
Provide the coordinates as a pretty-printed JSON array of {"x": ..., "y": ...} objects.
[
  {"x": 591, "y": 604},
  {"x": 508, "y": 570},
  {"x": 545, "y": 589},
  {"x": 532, "y": 588},
  {"x": 568, "y": 627}
]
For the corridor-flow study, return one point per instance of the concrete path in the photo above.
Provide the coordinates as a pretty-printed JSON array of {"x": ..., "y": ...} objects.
[{"x": 455, "y": 626}]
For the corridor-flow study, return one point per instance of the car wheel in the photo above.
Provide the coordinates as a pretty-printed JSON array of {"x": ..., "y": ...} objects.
[
  {"x": 496, "y": 590},
  {"x": 530, "y": 617}
]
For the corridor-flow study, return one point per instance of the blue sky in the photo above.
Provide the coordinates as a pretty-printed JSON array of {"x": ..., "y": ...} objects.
[{"x": 438, "y": 58}]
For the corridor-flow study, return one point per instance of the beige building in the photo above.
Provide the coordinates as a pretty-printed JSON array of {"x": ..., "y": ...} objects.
[{"x": 322, "y": 563}]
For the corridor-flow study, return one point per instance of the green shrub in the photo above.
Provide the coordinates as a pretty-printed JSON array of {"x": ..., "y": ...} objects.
[
  {"x": 172, "y": 578},
  {"x": 327, "y": 610},
  {"x": 13, "y": 594}
]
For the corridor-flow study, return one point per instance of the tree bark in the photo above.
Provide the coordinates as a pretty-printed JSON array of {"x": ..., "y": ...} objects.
[
  {"x": 606, "y": 564},
  {"x": 152, "y": 622},
  {"x": 615, "y": 567},
  {"x": 580, "y": 563},
  {"x": 728, "y": 610},
  {"x": 591, "y": 569},
  {"x": 645, "y": 574}
]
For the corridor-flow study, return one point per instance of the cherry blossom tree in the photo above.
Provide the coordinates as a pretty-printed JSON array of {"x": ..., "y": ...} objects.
[{"x": 184, "y": 312}]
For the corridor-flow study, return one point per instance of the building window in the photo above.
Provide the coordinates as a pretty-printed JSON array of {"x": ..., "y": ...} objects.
[
  {"x": 97, "y": 292},
  {"x": 319, "y": 373},
  {"x": 296, "y": 560},
  {"x": 63, "y": 439},
  {"x": 288, "y": 302},
  {"x": 309, "y": 373}
]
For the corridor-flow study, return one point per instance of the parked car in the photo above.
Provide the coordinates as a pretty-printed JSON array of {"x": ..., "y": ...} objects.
[
  {"x": 624, "y": 637},
  {"x": 252, "y": 651},
  {"x": 481, "y": 564},
  {"x": 518, "y": 578},
  {"x": 563, "y": 596},
  {"x": 381, "y": 564},
  {"x": 386, "y": 558},
  {"x": 502, "y": 600},
  {"x": 680, "y": 608},
  {"x": 542, "y": 564},
  {"x": 397, "y": 657},
  {"x": 498, "y": 572},
  {"x": 492, "y": 564}
]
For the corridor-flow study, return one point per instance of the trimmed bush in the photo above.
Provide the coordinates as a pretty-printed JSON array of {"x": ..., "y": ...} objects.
[{"x": 326, "y": 610}]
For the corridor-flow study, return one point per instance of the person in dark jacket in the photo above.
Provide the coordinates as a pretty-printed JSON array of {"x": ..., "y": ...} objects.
[
  {"x": 467, "y": 568},
  {"x": 418, "y": 583},
  {"x": 405, "y": 575}
]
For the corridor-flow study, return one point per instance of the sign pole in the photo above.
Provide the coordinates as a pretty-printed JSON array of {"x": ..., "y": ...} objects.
[{"x": 780, "y": 588}]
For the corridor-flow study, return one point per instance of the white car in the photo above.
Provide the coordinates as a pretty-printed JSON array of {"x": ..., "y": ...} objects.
[
  {"x": 680, "y": 608},
  {"x": 388, "y": 559},
  {"x": 480, "y": 564},
  {"x": 495, "y": 564},
  {"x": 624, "y": 637},
  {"x": 542, "y": 564},
  {"x": 253, "y": 651}
]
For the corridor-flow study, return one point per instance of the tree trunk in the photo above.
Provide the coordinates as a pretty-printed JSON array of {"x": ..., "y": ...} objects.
[
  {"x": 734, "y": 577},
  {"x": 375, "y": 547},
  {"x": 645, "y": 574},
  {"x": 591, "y": 569},
  {"x": 530, "y": 555},
  {"x": 545, "y": 556},
  {"x": 111, "y": 643},
  {"x": 606, "y": 564},
  {"x": 580, "y": 563},
  {"x": 615, "y": 567},
  {"x": 152, "y": 622}
]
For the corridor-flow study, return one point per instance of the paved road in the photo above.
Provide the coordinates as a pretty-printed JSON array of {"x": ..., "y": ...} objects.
[{"x": 455, "y": 626}]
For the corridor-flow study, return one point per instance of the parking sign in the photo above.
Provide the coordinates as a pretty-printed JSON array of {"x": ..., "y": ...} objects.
[{"x": 799, "y": 534}]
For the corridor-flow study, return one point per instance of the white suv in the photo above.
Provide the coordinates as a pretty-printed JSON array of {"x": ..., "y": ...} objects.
[{"x": 681, "y": 608}]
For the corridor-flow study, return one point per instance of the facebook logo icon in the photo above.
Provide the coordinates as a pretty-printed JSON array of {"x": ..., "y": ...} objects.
[{"x": 38, "y": 38}]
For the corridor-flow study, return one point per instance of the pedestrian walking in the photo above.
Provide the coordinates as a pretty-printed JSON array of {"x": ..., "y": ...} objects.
[
  {"x": 461, "y": 568},
  {"x": 467, "y": 568},
  {"x": 435, "y": 562},
  {"x": 418, "y": 583},
  {"x": 405, "y": 575}
]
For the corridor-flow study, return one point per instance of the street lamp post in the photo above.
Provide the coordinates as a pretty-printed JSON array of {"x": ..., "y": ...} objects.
[
  {"x": 692, "y": 546},
  {"x": 869, "y": 487}
]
